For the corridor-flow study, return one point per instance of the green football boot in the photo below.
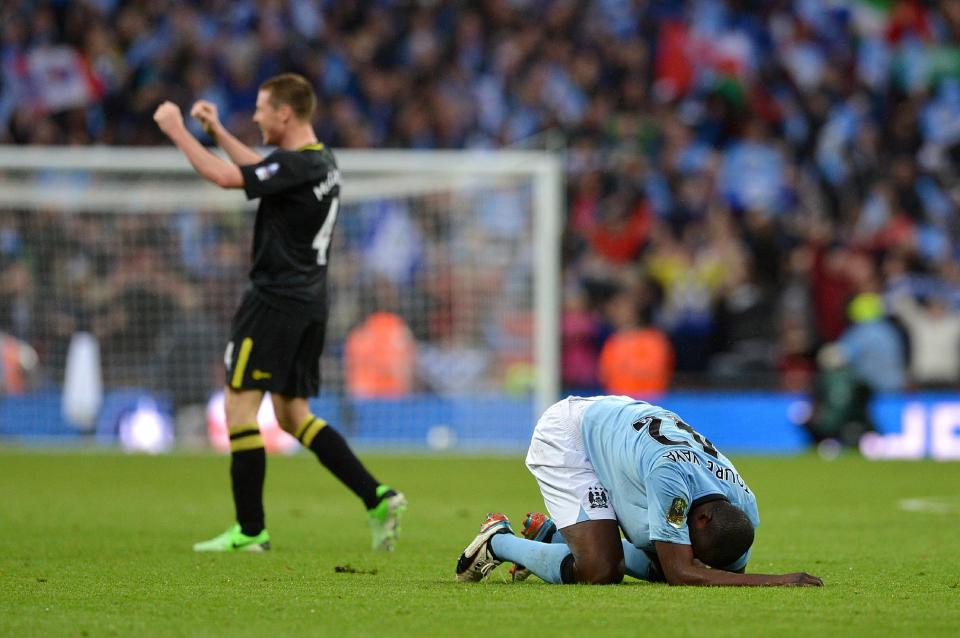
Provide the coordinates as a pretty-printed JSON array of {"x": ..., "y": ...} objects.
[
  {"x": 234, "y": 540},
  {"x": 385, "y": 519}
]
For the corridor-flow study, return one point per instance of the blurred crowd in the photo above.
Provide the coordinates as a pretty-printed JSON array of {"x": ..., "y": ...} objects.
[
  {"x": 158, "y": 295},
  {"x": 738, "y": 171},
  {"x": 420, "y": 286}
]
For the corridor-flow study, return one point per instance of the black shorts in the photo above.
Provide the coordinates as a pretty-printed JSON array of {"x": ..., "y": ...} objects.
[{"x": 273, "y": 351}]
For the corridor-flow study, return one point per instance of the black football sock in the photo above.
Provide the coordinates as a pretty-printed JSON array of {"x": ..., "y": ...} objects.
[
  {"x": 567, "y": 576},
  {"x": 248, "y": 469},
  {"x": 332, "y": 450}
]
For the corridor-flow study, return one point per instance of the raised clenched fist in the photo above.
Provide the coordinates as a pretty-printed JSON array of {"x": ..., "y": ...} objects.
[
  {"x": 206, "y": 113},
  {"x": 168, "y": 117}
]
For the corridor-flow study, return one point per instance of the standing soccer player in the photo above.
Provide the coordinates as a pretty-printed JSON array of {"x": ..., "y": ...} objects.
[{"x": 278, "y": 331}]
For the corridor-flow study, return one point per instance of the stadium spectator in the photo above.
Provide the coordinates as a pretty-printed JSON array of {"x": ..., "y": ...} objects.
[
  {"x": 637, "y": 359},
  {"x": 690, "y": 279},
  {"x": 17, "y": 290},
  {"x": 868, "y": 358},
  {"x": 17, "y": 363},
  {"x": 380, "y": 358},
  {"x": 581, "y": 332},
  {"x": 933, "y": 332},
  {"x": 796, "y": 361},
  {"x": 622, "y": 228},
  {"x": 871, "y": 347},
  {"x": 830, "y": 287},
  {"x": 145, "y": 302},
  {"x": 745, "y": 332}
]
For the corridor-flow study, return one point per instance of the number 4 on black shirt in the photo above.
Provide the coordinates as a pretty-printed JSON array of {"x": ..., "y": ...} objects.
[{"x": 299, "y": 195}]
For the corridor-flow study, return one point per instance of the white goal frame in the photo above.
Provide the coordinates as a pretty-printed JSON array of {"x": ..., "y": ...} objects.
[{"x": 392, "y": 173}]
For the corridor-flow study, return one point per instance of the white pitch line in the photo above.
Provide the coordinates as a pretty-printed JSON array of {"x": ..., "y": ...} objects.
[{"x": 929, "y": 504}]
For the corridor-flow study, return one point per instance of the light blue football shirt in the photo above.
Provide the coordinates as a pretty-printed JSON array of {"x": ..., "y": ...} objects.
[{"x": 654, "y": 467}]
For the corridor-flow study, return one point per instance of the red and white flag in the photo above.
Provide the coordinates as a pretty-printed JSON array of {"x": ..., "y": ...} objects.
[{"x": 56, "y": 78}]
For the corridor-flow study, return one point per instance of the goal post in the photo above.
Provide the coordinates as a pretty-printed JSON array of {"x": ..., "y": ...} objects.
[{"x": 464, "y": 246}]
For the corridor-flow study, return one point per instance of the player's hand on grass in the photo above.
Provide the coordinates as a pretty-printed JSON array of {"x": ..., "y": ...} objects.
[
  {"x": 168, "y": 117},
  {"x": 803, "y": 579},
  {"x": 206, "y": 113}
]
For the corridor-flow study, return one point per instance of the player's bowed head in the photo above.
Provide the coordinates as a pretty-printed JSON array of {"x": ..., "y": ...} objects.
[{"x": 720, "y": 533}]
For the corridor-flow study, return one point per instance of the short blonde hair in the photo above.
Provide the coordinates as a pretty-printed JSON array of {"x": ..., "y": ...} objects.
[{"x": 293, "y": 90}]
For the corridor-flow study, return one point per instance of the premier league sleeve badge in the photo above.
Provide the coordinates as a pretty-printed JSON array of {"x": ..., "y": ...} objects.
[{"x": 677, "y": 514}]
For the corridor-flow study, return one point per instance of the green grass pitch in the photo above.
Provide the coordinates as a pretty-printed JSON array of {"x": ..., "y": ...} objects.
[{"x": 98, "y": 544}]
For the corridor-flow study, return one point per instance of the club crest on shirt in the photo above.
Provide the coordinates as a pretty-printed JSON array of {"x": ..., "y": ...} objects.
[
  {"x": 264, "y": 173},
  {"x": 677, "y": 515},
  {"x": 597, "y": 496}
]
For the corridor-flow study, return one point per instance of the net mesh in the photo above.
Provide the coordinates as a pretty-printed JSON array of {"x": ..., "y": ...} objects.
[{"x": 429, "y": 337}]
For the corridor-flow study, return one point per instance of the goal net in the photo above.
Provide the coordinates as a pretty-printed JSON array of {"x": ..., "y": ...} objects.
[{"x": 120, "y": 270}]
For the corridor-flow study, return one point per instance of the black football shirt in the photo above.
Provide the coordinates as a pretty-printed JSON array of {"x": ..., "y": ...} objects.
[{"x": 299, "y": 195}]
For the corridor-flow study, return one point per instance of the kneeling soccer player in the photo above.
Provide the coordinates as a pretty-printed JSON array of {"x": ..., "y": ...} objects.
[{"x": 610, "y": 463}]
